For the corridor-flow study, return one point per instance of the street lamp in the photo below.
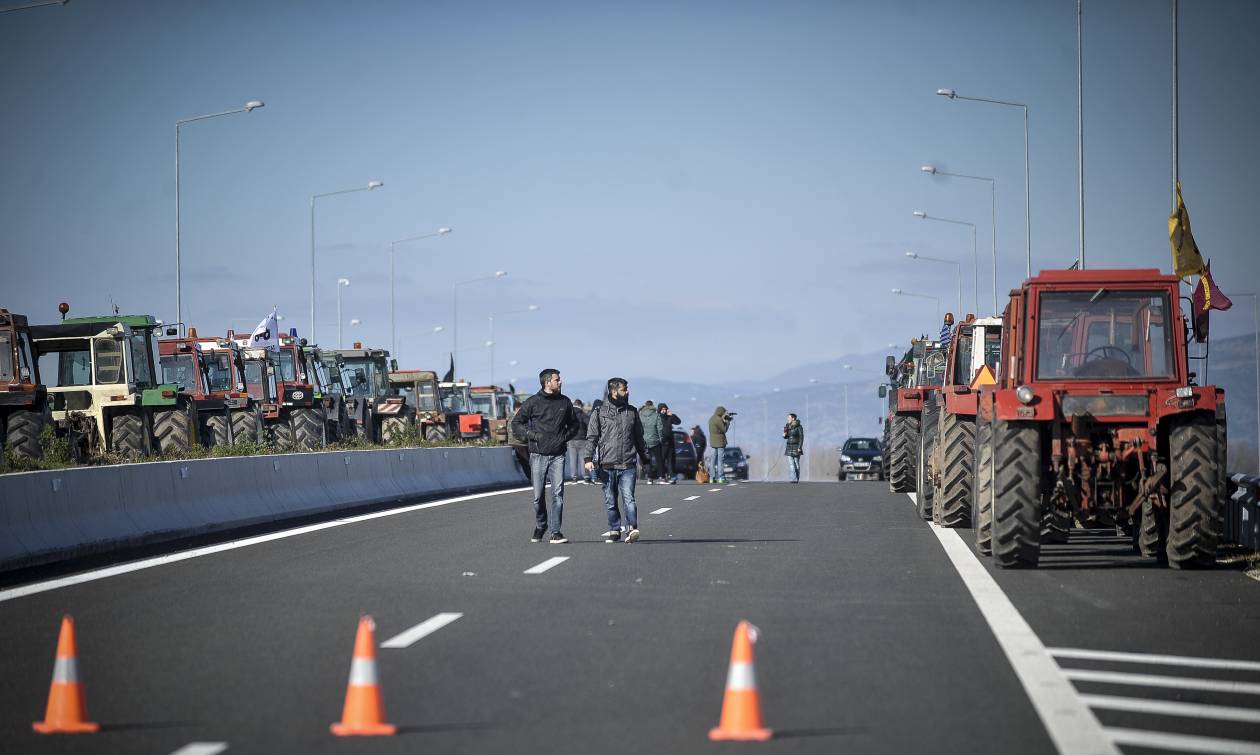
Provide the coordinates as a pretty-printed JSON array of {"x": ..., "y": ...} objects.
[
  {"x": 455, "y": 306},
  {"x": 957, "y": 271},
  {"x": 921, "y": 215},
  {"x": 371, "y": 185},
  {"x": 932, "y": 170},
  {"x": 179, "y": 302},
  {"x": 846, "y": 404},
  {"x": 899, "y": 292},
  {"x": 393, "y": 340},
  {"x": 341, "y": 283},
  {"x": 530, "y": 308},
  {"x": 951, "y": 94}
]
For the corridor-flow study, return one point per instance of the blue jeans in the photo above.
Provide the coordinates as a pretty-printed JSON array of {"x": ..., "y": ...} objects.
[
  {"x": 544, "y": 469},
  {"x": 794, "y": 467},
  {"x": 719, "y": 465},
  {"x": 620, "y": 481}
]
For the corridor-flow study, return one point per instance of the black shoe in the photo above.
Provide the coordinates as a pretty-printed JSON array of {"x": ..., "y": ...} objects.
[
  {"x": 538, "y": 534},
  {"x": 558, "y": 539}
]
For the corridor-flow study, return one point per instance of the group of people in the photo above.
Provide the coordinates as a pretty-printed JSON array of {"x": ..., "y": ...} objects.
[{"x": 609, "y": 443}]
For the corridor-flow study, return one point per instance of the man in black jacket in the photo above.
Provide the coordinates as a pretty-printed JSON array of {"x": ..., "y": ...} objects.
[
  {"x": 669, "y": 454},
  {"x": 616, "y": 434},
  {"x": 547, "y": 421}
]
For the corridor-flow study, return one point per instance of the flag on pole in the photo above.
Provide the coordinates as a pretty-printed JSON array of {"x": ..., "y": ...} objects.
[
  {"x": 1186, "y": 258},
  {"x": 449, "y": 377},
  {"x": 267, "y": 334},
  {"x": 1206, "y": 297}
]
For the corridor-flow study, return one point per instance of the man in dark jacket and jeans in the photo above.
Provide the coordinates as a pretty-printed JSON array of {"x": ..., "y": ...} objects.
[
  {"x": 547, "y": 421},
  {"x": 615, "y": 432}
]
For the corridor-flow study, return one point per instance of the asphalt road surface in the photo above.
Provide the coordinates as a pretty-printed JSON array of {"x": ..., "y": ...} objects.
[{"x": 878, "y": 633}]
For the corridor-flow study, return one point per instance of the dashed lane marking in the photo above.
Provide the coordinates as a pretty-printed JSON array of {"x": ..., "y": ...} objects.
[
  {"x": 201, "y": 748},
  {"x": 1155, "y": 659},
  {"x": 420, "y": 631},
  {"x": 545, "y": 565},
  {"x": 1170, "y": 708},
  {"x": 171, "y": 558},
  {"x": 662, "y": 511},
  {"x": 1154, "y": 680},
  {"x": 1158, "y": 740},
  {"x": 691, "y": 498},
  {"x": 714, "y": 490}
]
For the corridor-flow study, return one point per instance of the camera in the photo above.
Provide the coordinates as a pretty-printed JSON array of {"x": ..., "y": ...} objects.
[{"x": 730, "y": 416}]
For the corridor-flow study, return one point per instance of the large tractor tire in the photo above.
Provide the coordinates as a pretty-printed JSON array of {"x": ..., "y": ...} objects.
[
  {"x": 1151, "y": 533},
  {"x": 247, "y": 426},
  {"x": 128, "y": 434},
  {"x": 903, "y": 445},
  {"x": 308, "y": 428},
  {"x": 927, "y": 443},
  {"x": 216, "y": 430},
  {"x": 393, "y": 428},
  {"x": 983, "y": 491},
  {"x": 958, "y": 453},
  {"x": 175, "y": 428},
  {"x": 436, "y": 433},
  {"x": 1017, "y": 469},
  {"x": 1056, "y": 522},
  {"x": 281, "y": 432},
  {"x": 22, "y": 431},
  {"x": 1197, "y": 496}
]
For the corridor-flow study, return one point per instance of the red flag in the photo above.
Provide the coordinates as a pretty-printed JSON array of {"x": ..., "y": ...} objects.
[{"x": 1206, "y": 298}]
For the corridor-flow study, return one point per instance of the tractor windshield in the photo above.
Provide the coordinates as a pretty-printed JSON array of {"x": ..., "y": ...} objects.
[
  {"x": 219, "y": 372},
  {"x": 286, "y": 367},
  {"x": 255, "y": 380},
  {"x": 1104, "y": 335},
  {"x": 453, "y": 401},
  {"x": 180, "y": 369},
  {"x": 962, "y": 356},
  {"x": 482, "y": 404},
  {"x": 141, "y": 359},
  {"x": 932, "y": 369},
  {"x": 373, "y": 382}
]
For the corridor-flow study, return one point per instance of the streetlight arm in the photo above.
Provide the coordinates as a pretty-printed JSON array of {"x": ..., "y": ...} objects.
[
  {"x": 211, "y": 115},
  {"x": 964, "y": 175},
  {"x": 918, "y": 256},
  {"x": 335, "y": 193},
  {"x": 957, "y": 96}
]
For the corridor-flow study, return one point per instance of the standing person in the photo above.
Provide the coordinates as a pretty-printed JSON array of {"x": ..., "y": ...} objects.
[
  {"x": 652, "y": 432},
  {"x": 593, "y": 475},
  {"x": 668, "y": 452},
  {"x": 615, "y": 433},
  {"x": 719, "y": 423},
  {"x": 573, "y": 462},
  {"x": 701, "y": 443},
  {"x": 547, "y": 422},
  {"x": 794, "y": 434}
]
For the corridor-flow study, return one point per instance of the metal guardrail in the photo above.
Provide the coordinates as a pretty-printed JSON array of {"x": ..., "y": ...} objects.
[{"x": 1242, "y": 512}]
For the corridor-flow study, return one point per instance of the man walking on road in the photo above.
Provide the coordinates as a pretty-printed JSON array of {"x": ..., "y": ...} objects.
[
  {"x": 573, "y": 462},
  {"x": 668, "y": 452},
  {"x": 719, "y": 423},
  {"x": 794, "y": 434},
  {"x": 652, "y": 427},
  {"x": 547, "y": 421},
  {"x": 616, "y": 434}
]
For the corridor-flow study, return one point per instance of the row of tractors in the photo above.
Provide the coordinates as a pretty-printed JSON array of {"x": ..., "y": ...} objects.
[
  {"x": 1076, "y": 408},
  {"x": 122, "y": 388}
]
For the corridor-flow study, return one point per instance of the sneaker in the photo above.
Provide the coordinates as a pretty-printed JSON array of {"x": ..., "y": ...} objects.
[
  {"x": 612, "y": 536},
  {"x": 673, "y": 482},
  {"x": 647, "y": 482},
  {"x": 558, "y": 539},
  {"x": 538, "y": 534},
  {"x": 632, "y": 535}
]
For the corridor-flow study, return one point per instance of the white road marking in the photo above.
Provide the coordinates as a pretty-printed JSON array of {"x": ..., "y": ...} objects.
[
  {"x": 1160, "y": 660},
  {"x": 662, "y": 511},
  {"x": 1169, "y": 708},
  {"x": 201, "y": 748},
  {"x": 1154, "y": 680},
  {"x": 1068, "y": 721},
  {"x": 171, "y": 558},
  {"x": 1158, "y": 740},
  {"x": 420, "y": 631},
  {"x": 545, "y": 565},
  {"x": 691, "y": 498},
  {"x": 714, "y": 490}
]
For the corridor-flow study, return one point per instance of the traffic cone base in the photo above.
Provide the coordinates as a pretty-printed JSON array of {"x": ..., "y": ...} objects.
[
  {"x": 67, "y": 706},
  {"x": 364, "y": 711},
  {"x": 719, "y": 734}
]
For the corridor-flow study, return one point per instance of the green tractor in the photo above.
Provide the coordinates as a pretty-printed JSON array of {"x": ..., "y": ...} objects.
[{"x": 106, "y": 396}]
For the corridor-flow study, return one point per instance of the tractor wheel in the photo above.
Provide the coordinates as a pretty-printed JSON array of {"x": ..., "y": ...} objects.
[
  {"x": 175, "y": 429},
  {"x": 927, "y": 442},
  {"x": 983, "y": 492},
  {"x": 436, "y": 433},
  {"x": 1056, "y": 522},
  {"x": 247, "y": 426},
  {"x": 1196, "y": 498},
  {"x": 393, "y": 428},
  {"x": 958, "y": 452},
  {"x": 216, "y": 431},
  {"x": 904, "y": 444},
  {"x": 127, "y": 434},
  {"x": 1017, "y": 469},
  {"x": 282, "y": 435},
  {"x": 21, "y": 433},
  {"x": 1151, "y": 532},
  {"x": 308, "y": 428}
]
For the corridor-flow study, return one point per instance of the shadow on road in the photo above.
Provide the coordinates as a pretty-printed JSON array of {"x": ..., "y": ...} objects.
[
  {"x": 673, "y": 540},
  {"x": 806, "y": 733},
  {"x": 437, "y": 728}
]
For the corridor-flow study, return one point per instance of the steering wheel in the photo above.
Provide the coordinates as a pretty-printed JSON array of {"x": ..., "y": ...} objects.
[{"x": 1104, "y": 352}]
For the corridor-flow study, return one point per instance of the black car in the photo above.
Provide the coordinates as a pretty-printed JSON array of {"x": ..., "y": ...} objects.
[
  {"x": 861, "y": 459},
  {"x": 684, "y": 454},
  {"x": 736, "y": 463}
]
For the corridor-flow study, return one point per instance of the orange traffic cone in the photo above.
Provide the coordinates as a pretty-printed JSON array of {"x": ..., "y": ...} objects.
[
  {"x": 67, "y": 708},
  {"x": 741, "y": 707},
  {"x": 364, "y": 712}
]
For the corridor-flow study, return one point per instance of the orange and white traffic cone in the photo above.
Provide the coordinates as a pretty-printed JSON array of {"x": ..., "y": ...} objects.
[
  {"x": 364, "y": 712},
  {"x": 67, "y": 707},
  {"x": 741, "y": 706}
]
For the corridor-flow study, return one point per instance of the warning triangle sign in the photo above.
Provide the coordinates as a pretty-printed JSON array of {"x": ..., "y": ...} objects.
[{"x": 983, "y": 377}]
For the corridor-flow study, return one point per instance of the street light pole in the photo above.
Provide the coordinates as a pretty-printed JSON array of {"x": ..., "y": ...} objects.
[
  {"x": 951, "y": 94},
  {"x": 957, "y": 272},
  {"x": 992, "y": 221},
  {"x": 455, "y": 307},
  {"x": 393, "y": 335},
  {"x": 975, "y": 257},
  {"x": 371, "y": 185},
  {"x": 179, "y": 301},
  {"x": 341, "y": 283},
  {"x": 1255, "y": 315},
  {"x": 899, "y": 292}
]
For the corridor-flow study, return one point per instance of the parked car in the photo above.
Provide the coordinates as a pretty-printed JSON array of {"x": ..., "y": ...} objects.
[
  {"x": 736, "y": 463},
  {"x": 684, "y": 454},
  {"x": 861, "y": 459}
]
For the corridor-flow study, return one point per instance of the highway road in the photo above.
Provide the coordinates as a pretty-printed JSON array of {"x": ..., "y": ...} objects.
[{"x": 878, "y": 633}]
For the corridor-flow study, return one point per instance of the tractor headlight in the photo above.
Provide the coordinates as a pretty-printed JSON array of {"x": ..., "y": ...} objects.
[
  {"x": 1185, "y": 392},
  {"x": 1024, "y": 394}
]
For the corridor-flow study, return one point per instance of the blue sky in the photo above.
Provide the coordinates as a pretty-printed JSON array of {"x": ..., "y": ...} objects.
[{"x": 704, "y": 191}]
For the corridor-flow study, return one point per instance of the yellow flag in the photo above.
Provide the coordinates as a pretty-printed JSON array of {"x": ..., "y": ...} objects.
[{"x": 1186, "y": 258}]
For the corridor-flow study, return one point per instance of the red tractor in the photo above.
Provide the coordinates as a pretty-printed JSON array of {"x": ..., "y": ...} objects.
[
  {"x": 1096, "y": 416},
  {"x": 914, "y": 380},
  {"x": 24, "y": 409},
  {"x": 296, "y": 418},
  {"x": 211, "y": 372}
]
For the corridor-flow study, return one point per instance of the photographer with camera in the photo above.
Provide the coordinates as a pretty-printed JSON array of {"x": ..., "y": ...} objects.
[{"x": 719, "y": 423}]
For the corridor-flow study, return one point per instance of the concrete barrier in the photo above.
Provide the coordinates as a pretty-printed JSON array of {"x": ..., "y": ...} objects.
[
  {"x": 57, "y": 515},
  {"x": 1242, "y": 512}
]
